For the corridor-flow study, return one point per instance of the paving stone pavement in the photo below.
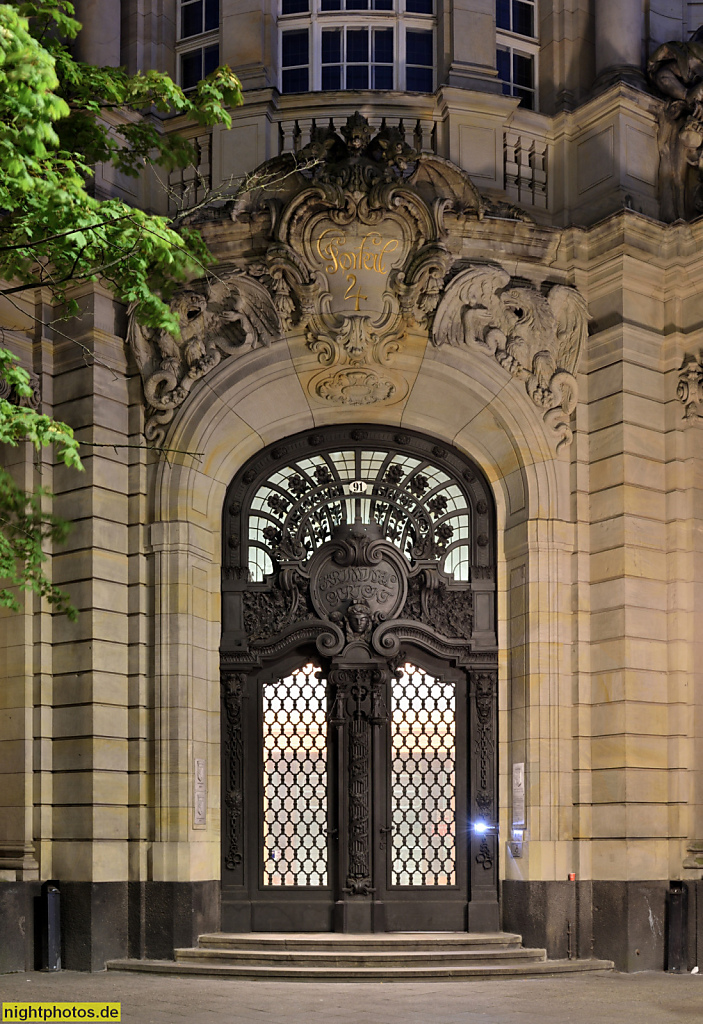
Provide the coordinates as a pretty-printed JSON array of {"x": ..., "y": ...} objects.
[{"x": 605, "y": 998}]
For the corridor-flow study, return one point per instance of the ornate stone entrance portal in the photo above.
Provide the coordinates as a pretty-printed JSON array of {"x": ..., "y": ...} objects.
[{"x": 359, "y": 670}]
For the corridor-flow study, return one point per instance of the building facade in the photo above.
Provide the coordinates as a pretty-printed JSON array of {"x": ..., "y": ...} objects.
[{"x": 389, "y": 568}]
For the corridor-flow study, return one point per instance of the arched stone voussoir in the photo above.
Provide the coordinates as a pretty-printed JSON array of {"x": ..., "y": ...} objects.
[{"x": 497, "y": 426}]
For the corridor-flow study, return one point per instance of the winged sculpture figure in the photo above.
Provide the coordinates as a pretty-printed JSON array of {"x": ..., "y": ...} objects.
[
  {"x": 225, "y": 318},
  {"x": 538, "y": 338}
]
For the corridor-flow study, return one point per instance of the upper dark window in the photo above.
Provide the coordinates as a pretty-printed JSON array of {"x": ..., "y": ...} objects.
[
  {"x": 516, "y": 16},
  {"x": 198, "y": 64},
  {"x": 198, "y": 16},
  {"x": 516, "y": 58},
  {"x": 357, "y": 44}
]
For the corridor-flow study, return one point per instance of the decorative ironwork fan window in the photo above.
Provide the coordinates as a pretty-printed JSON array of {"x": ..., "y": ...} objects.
[{"x": 418, "y": 505}]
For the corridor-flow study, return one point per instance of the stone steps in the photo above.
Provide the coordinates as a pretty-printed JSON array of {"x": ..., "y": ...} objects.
[
  {"x": 406, "y": 956},
  {"x": 328, "y": 941}
]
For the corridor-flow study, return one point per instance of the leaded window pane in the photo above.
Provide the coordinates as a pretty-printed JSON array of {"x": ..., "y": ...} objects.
[
  {"x": 503, "y": 14},
  {"x": 523, "y": 18},
  {"x": 418, "y": 48},
  {"x": 383, "y": 46},
  {"x": 212, "y": 14},
  {"x": 332, "y": 46},
  {"x": 295, "y": 48},
  {"x": 357, "y": 46},
  {"x": 211, "y": 59}
]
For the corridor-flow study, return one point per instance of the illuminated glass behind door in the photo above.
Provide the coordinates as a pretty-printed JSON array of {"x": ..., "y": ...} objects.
[
  {"x": 295, "y": 780},
  {"x": 423, "y": 774}
]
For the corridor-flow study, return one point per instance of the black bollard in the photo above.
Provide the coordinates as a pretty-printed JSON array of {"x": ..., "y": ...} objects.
[
  {"x": 676, "y": 927},
  {"x": 51, "y": 931}
]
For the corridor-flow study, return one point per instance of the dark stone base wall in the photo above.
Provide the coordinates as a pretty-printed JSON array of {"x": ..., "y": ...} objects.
[
  {"x": 625, "y": 922},
  {"x": 621, "y": 921},
  {"x": 18, "y": 909},
  {"x": 106, "y": 920}
]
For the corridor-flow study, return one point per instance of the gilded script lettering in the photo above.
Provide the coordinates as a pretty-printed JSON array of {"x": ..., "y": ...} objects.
[{"x": 369, "y": 255}]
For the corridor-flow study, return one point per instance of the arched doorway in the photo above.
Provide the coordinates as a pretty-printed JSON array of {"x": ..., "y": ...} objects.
[{"x": 359, "y": 672}]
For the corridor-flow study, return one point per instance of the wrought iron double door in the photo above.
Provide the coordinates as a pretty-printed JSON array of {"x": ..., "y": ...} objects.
[{"x": 354, "y": 783}]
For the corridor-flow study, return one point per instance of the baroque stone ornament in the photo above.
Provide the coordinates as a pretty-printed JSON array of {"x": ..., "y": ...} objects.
[
  {"x": 538, "y": 339},
  {"x": 689, "y": 390},
  {"x": 345, "y": 249},
  {"x": 33, "y": 401},
  {"x": 223, "y": 319},
  {"x": 357, "y": 254},
  {"x": 676, "y": 70}
]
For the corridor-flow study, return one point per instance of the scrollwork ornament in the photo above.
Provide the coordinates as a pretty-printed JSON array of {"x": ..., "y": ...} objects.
[
  {"x": 226, "y": 319},
  {"x": 31, "y": 401},
  {"x": 689, "y": 389}
]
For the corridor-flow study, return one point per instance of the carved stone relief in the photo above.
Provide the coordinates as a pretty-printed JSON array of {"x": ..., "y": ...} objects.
[
  {"x": 676, "y": 70},
  {"x": 689, "y": 390},
  {"x": 352, "y": 254},
  {"x": 358, "y": 257},
  {"x": 223, "y": 319},
  {"x": 33, "y": 401},
  {"x": 538, "y": 339}
]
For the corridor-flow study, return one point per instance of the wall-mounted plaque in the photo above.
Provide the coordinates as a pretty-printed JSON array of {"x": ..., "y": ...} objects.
[{"x": 199, "y": 793}]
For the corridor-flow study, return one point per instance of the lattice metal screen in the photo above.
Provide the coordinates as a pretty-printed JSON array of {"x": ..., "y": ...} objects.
[
  {"x": 423, "y": 779},
  {"x": 295, "y": 779}
]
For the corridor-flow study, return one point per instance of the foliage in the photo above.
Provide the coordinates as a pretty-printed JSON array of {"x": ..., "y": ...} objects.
[
  {"x": 25, "y": 526},
  {"x": 58, "y": 118}
]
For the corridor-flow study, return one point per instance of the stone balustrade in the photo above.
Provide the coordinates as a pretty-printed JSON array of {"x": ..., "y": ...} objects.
[
  {"x": 525, "y": 168},
  {"x": 419, "y": 132},
  {"x": 188, "y": 186}
]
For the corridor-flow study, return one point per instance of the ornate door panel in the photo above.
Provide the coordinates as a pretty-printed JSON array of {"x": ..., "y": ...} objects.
[
  {"x": 423, "y": 855},
  {"x": 358, "y": 668}
]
